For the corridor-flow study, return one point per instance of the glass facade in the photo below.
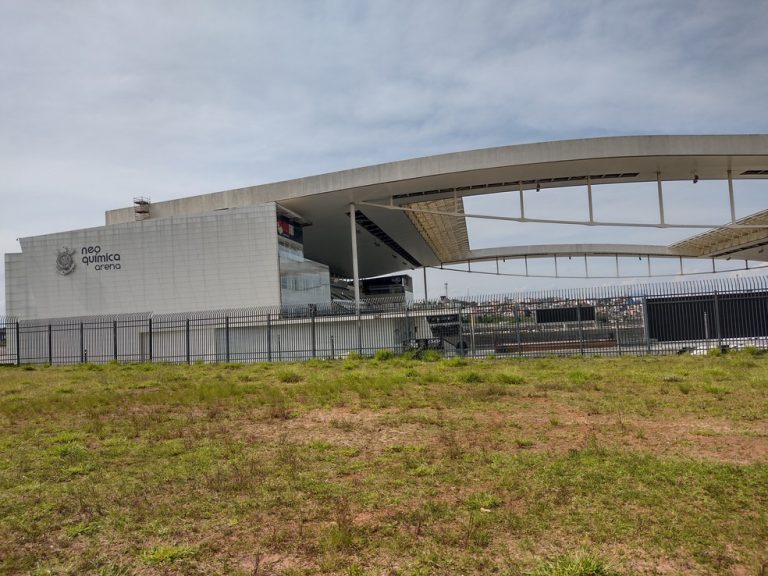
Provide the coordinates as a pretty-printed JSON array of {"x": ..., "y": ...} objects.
[{"x": 302, "y": 281}]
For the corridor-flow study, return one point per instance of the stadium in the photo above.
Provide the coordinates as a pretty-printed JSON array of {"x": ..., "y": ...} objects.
[
  {"x": 323, "y": 245},
  {"x": 292, "y": 242}
]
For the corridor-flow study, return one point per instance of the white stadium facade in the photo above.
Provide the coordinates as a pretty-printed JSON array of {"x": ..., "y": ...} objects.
[{"x": 292, "y": 242}]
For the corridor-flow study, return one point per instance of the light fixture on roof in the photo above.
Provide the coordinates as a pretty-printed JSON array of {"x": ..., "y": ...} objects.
[{"x": 695, "y": 178}]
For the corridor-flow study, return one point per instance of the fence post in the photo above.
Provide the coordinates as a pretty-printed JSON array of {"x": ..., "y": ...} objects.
[
  {"x": 408, "y": 331},
  {"x": 269, "y": 337},
  {"x": 226, "y": 338},
  {"x": 312, "y": 310},
  {"x": 149, "y": 324},
  {"x": 82, "y": 344},
  {"x": 646, "y": 328},
  {"x": 114, "y": 340},
  {"x": 189, "y": 357},
  {"x": 18, "y": 344},
  {"x": 462, "y": 345},
  {"x": 472, "y": 332},
  {"x": 517, "y": 332},
  {"x": 50, "y": 344},
  {"x": 717, "y": 319},
  {"x": 333, "y": 348},
  {"x": 581, "y": 331},
  {"x": 618, "y": 336},
  {"x": 359, "y": 334},
  {"x": 706, "y": 325}
]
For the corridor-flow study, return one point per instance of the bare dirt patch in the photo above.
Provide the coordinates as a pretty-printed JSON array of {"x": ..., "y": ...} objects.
[{"x": 551, "y": 428}]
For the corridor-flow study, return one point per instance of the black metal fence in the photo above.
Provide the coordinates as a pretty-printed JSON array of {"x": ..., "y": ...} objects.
[{"x": 640, "y": 319}]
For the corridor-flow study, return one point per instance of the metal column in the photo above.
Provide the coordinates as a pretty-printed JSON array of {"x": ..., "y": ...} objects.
[
  {"x": 355, "y": 271},
  {"x": 731, "y": 201},
  {"x": 660, "y": 193}
]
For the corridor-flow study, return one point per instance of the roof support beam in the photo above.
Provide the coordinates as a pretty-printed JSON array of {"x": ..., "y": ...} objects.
[
  {"x": 618, "y": 224},
  {"x": 618, "y": 273},
  {"x": 661, "y": 198},
  {"x": 730, "y": 196},
  {"x": 355, "y": 270}
]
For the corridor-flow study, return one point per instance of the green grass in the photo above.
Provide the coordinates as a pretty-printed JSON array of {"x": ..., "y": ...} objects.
[
  {"x": 578, "y": 565},
  {"x": 550, "y": 466}
]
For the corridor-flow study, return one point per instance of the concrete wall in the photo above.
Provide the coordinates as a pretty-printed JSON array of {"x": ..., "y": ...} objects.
[
  {"x": 333, "y": 337},
  {"x": 219, "y": 260},
  {"x": 16, "y": 294}
]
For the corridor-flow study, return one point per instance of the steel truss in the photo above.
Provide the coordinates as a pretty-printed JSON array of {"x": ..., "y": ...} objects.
[
  {"x": 662, "y": 223},
  {"x": 587, "y": 274}
]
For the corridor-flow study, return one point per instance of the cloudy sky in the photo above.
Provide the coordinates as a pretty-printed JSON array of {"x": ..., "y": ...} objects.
[{"x": 102, "y": 101}]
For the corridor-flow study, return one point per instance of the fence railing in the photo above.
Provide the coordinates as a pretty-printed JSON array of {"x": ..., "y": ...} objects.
[{"x": 628, "y": 319}]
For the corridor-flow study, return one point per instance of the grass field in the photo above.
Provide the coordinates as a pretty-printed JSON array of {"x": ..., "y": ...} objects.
[{"x": 552, "y": 466}]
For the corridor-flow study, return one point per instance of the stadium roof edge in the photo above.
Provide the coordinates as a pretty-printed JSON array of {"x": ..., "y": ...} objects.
[
  {"x": 517, "y": 155},
  {"x": 324, "y": 199}
]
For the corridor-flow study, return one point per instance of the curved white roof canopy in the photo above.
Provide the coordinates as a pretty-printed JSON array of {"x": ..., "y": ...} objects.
[{"x": 394, "y": 240}]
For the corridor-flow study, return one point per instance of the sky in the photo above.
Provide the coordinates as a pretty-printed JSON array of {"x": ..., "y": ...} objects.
[{"x": 103, "y": 101}]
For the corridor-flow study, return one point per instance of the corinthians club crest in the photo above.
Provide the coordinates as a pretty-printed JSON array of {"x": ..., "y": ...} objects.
[{"x": 65, "y": 263}]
